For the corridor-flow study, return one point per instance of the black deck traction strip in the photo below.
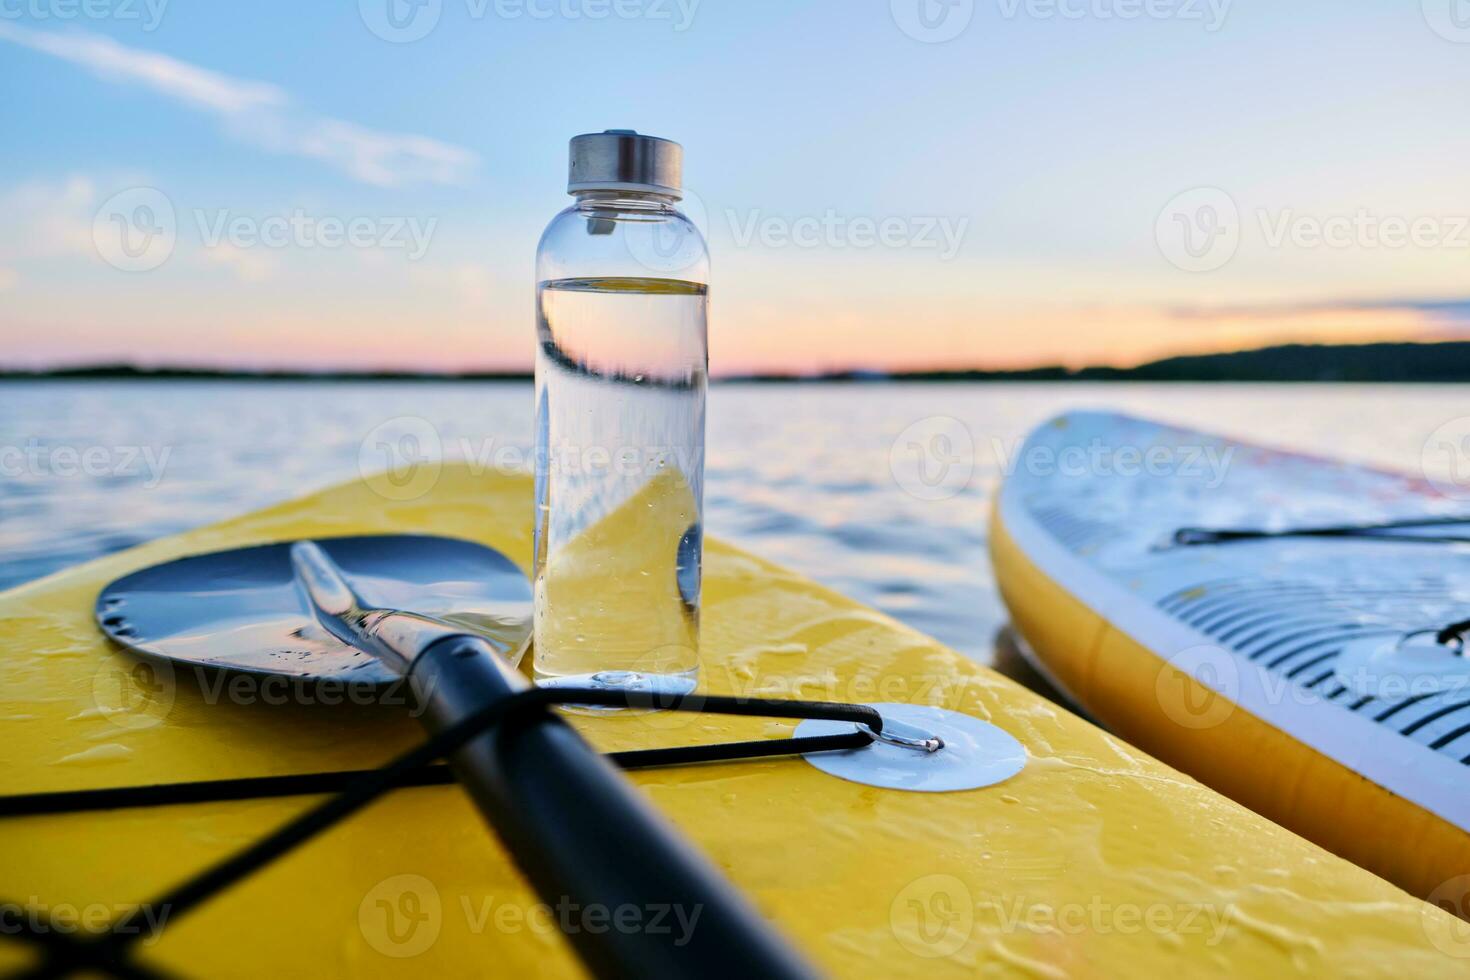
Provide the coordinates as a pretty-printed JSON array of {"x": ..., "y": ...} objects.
[
  {"x": 65, "y": 953},
  {"x": 1186, "y": 537},
  {"x": 1223, "y": 609}
]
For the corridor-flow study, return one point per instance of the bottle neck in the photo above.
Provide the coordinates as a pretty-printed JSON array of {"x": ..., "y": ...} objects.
[{"x": 629, "y": 199}]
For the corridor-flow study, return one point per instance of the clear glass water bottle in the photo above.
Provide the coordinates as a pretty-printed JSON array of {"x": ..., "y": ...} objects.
[{"x": 621, "y": 373}]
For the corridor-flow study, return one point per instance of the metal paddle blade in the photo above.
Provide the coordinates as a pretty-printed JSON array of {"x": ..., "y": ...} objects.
[{"x": 243, "y": 610}]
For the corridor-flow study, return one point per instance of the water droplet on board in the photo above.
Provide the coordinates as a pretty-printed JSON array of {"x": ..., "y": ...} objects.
[{"x": 96, "y": 756}]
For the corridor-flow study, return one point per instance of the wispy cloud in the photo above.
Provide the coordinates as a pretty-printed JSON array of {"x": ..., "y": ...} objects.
[
  {"x": 1454, "y": 311},
  {"x": 113, "y": 62},
  {"x": 44, "y": 219},
  {"x": 248, "y": 265},
  {"x": 260, "y": 113},
  {"x": 469, "y": 282},
  {"x": 1450, "y": 309}
]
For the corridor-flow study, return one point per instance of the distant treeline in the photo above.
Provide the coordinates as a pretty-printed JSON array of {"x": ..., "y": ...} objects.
[
  {"x": 1440, "y": 362},
  {"x": 132, "y": 372}
]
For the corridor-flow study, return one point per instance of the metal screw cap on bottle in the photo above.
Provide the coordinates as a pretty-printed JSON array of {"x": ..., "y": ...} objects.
[{"x": 622, "y": 160}]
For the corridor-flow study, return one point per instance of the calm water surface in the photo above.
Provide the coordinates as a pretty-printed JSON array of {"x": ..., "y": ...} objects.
[{"x": 798, "y": 474}]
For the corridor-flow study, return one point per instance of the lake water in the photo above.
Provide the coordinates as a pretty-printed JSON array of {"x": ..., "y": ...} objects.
[{"x": 803, "y": 475}]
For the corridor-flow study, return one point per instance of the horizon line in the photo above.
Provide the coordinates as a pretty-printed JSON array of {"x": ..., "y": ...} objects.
[{"x": 1051, "y": 371}]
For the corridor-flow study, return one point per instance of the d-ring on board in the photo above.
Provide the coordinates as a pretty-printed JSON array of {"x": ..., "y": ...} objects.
[{"x": 969, "y": 753}]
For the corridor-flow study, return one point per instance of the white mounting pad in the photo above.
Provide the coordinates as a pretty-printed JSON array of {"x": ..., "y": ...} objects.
[
  {"x": 975, "y": 752},
  {"x": 1402, "y": 667}
]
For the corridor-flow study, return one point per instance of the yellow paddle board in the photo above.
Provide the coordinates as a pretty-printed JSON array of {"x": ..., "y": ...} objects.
[{"x": 1095, "y": 860}]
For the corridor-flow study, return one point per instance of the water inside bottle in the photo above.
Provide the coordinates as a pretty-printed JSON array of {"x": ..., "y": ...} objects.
[{"x": 620, "y": 377}]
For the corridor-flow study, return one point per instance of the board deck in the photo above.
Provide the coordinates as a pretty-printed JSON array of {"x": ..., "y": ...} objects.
[
  {"x": 1096, "y": 860},
  {"x": 1226, "y": 660}
]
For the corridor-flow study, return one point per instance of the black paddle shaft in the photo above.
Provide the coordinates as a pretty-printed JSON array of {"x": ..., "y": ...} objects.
[{"x": 633, "y": 898}]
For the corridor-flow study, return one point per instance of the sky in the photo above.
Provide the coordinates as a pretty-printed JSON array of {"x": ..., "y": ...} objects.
[{"x": 886, "y": 184}]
